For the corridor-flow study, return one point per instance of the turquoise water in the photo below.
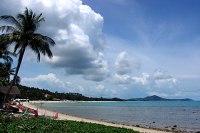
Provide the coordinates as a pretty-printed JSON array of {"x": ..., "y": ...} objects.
[
  {"x": 159, "y": 114},
  {"x": 135, "y": 104}
]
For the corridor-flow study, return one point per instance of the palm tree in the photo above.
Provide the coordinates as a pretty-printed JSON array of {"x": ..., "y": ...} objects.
[{"x": 21, "y": 31}]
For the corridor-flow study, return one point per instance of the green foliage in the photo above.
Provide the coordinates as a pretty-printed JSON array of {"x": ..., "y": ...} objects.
[
  {"x": 5, "y": 119},
  {"x": 43, "y": 125},
  {"x": 5, "y": 72},
  {"x": 5, "y": 65}
]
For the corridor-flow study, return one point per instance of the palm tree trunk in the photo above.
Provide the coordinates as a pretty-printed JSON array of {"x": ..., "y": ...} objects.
[{"x": 16, "y": 73}]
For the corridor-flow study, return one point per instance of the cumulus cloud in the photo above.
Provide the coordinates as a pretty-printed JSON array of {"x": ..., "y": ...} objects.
[
  {"x": 157, "y": 79},
  {"x": 49, "y": 79},
  {"x": 163, "y": 79},
  {"x": 77, "y": 30},
  {"x": 144, "y": 79},
  {"x": 80, "y": 42},
  {"x": 122, "y": 79},
  {"x": 53, "y": 83},
  {"x": 124, "y": 64}
]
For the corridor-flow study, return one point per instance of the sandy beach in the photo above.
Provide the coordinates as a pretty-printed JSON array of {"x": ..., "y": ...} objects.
[{"x": 73, "y": 118}]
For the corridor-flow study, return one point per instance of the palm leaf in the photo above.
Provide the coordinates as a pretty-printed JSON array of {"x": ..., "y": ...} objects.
[
  {"x": 6, "y": 39},
  {"x": 7, "y": 28},
  {"x": 11, "y": 20},
  {"x": 38, "y": 20},
  {"x": 47, "y": 39}
]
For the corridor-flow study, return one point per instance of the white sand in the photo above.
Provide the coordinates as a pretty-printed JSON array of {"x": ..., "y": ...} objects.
[{"x": 68, "y": 117}]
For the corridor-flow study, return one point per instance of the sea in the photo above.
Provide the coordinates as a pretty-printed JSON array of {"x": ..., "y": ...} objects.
[{"x": 168, "y": 115}]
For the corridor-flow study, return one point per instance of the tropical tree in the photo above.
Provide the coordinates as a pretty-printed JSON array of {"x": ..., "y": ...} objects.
[
  {"x": 21, "y": 31},
  {"x": 5, "y": 72},
  {"x": 5, "y": 65}
]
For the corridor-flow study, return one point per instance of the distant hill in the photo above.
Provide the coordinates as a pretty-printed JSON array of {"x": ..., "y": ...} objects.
[{"x": 157, "y": 98}]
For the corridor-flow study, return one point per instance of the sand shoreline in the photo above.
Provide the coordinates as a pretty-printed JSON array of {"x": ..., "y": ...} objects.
[{"x": 61, "y": 116}]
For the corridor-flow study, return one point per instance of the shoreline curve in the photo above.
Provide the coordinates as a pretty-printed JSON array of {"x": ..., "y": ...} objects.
[{"x": 62, "y": 116}]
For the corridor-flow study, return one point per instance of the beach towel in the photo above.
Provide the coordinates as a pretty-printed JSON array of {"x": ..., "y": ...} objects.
[
  {"x": 26, "y": 112},
  {"x": 36, "y": 113},
  {"x": 55, "y": 116}
]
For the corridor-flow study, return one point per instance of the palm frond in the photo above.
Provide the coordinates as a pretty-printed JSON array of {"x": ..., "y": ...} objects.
[
  {"x": 3, "y": 47},
  {"x": 11, "y": 20},
  {"x": 17, "y": 46},
  {"x": 7, "y": 28},
  {"x": 38, "y": 20},
  {"x": 7, "y": 58},
  {"x": 6, "y": 39},
  {"x": 21, "y": 18},
  {"x": 48, "y": 51},
  {"x": 47, "y": 39},
  {"x": 36, "y": 51},
  {"x": 41, "y": 46},
  {"x": 12, "y": 71},
  {"x": 45, "y": 49},
  {"x": 26, "y": 12}
]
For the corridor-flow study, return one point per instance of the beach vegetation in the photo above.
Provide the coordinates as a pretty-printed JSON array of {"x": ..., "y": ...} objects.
[{"x": 44, "y": 125}]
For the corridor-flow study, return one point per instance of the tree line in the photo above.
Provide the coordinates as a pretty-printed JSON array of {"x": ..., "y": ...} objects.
[{"x": 33, "y": 93}]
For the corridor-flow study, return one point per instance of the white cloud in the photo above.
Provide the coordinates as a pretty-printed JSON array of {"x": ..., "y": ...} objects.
[
  {"x": 122, "y": 79},
  {"x": 99, "y": 71},
  {"x": 171, "y": 81},
  {"x": 49, "y": 79},
  {"x": 77, "y": 30},
  {"x": 79, "y": 41},
  {"x": 124, "y": 64},
  {"x": 52, "y": 83},
  {"x": 158, "y": 79},
  {"x": 143, "y": 80},
  {"x": 162, "y": 79}
]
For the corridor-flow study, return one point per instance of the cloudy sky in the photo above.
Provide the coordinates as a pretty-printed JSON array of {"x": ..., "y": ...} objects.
[{"x": 116, "y": 48}]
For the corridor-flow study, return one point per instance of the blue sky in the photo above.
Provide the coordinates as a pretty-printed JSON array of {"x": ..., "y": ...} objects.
[{"x": 116, "y": 48}]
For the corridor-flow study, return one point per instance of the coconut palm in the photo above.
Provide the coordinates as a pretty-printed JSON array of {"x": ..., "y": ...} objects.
[{"x": 21, "y": 32}]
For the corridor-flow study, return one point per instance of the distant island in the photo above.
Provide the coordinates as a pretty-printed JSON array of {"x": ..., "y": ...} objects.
[
  {"x": 157, "y": 98},
  {"x": 32, "y": 93}
]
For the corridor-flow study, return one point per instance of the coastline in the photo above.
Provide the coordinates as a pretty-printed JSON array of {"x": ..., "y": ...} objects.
[{"x": 61, "y": 116}]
